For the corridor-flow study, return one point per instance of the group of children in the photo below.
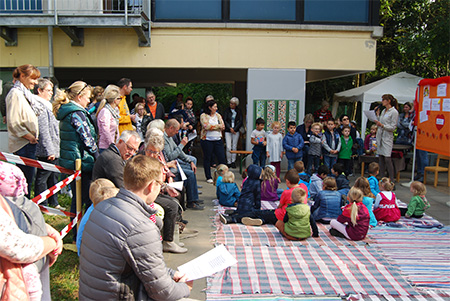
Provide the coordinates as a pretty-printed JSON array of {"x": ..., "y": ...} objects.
[
  {"x": 323, "y": 143},
  {"x": 350, "y": 211}
]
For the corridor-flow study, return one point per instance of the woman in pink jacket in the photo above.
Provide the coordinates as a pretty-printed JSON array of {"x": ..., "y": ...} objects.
[{"x": 108, "y": 117}]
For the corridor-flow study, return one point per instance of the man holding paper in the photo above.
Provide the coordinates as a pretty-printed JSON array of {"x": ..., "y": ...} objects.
[
  {"x": 187, "y": 163},
  {"x": 121, "y": 251}
]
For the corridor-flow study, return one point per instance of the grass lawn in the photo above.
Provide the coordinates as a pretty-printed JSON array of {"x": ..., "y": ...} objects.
[{"x": 64, "y": 273}]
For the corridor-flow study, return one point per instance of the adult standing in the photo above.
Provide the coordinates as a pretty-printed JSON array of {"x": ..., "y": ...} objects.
[
  {"x": 232, "y": 117},
  {"x": 211, "y": 137},
  {"x": 48, "y": 145},
  {"x": 78, "y": 138},
  {"x": 387, "y": 123},
  {"x": 108, "y": 117},
  {"x": 22, "y": 112},
  {"x": 305, "y": 130},
  {"x": 404, "y": 122},
  {"x": 323, "y": 114},
  {"x": 125, "y": 121},
  {"x": 152, "y": 107},
  {"x": 345, "y": 121}
]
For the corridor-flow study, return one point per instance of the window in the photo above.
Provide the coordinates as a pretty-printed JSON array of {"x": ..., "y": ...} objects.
[
  {"x": 341, "y": 11},
  {"x": 268, "y": 10},
  {"x": 188, "y": 10}
]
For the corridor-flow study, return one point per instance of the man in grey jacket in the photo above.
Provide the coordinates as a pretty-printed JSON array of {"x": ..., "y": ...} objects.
[{"x": 121, "y": 252}]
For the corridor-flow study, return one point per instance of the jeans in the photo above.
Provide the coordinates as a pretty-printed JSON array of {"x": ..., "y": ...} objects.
[
  {"x": 190, "y": 184},
  {"x": 422, "y": 161},
  {"x": 291, "y": 162},
  {"x": 313, "y": 161},
  {"x": 231, "y": 141},
  {"x": 28, "y": 151},
  {"x": 170, "y": 206},
  {"x": 44, "y": 180},
  {"x": 86, "y": 177},
  {"x": 209, "y": 149},
  {"x": 329, "y": 161},
  {"x": 259, "y": 155}
]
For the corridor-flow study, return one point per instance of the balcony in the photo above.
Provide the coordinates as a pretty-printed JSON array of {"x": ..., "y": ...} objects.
[{"x": 73, "y": 16}]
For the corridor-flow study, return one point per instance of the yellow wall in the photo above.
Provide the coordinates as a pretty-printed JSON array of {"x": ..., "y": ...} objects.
[{"x": 198, "y": 48}]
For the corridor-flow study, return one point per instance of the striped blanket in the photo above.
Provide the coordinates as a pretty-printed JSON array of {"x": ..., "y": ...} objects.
[{"x": 308, "y": 270}]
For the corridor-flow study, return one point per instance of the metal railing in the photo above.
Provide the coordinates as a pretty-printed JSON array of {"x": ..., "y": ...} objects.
[{"x": 71, "y": 7}]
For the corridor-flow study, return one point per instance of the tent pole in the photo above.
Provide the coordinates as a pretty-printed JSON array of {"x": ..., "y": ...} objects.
[{"x": 414, "y": 161}]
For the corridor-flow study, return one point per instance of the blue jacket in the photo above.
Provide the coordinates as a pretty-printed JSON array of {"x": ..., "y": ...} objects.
[
  {"x": 250, "y": 198},
  {"x": 368, "y": 202},
  {"x": 228, "y": 194},
  {"x": 327, "y": 203},
  {"x": 374, "y": 185},
  {"x": 304, "y": 178},
  {"x": 291, "y": 141},
  {"x": 342, "y": 182},
  {"x": 315, "y": 186}
]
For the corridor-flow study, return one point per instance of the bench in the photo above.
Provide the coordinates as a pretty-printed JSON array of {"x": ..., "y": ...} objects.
[{"x": 243, "y": 155}]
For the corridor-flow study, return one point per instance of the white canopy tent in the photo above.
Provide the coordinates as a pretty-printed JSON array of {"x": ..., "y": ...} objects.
[{"x": 401, "y": 85}]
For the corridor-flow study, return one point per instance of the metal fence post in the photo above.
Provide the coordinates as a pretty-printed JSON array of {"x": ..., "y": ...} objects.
[{"x": 78, "y": 188}]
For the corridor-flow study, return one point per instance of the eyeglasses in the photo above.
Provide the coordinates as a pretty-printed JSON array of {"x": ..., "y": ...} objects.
[
  {"x": 344, "y": 119},
  {"x": 152, "y": 152},
  {"x": 130, "y": 148},
  {"x": 48, "y": 90},
  {"x": 85, "y": 86}
]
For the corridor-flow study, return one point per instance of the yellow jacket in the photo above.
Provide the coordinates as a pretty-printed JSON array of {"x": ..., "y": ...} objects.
[{"x": 124, "y": 120}]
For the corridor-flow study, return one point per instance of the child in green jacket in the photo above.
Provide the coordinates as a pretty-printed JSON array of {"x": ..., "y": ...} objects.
[
  {"x": 345, "y": 154},
  {"x": 418, "y": 203}
]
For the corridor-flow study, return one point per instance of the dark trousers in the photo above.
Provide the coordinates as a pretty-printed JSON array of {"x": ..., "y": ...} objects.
[
  {"x": 211, "y": 148},
  {"x": 86, "y": 177},
  {"x": 170, "y": 206},
  {"x": 348, "y": 165},
  {"x": 44, "y": 180},
  {"x": 313, "y": 162},
  {"x": 28, "y": 151},
  {"x": 259, "y": 155}
]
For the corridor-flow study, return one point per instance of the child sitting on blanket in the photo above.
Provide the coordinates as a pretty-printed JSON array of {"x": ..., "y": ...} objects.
[
  {"x": 269, "y": 184},
  {"x": 296, "y": 223},
  {"x": 342, "y": 182},
  {"x": 304, "y": 177},
  {"x": 228, "y": 192},
  {"x": 385, "y": 207},
  {"x": 328, "y": 202},
  {"x": 418, "y": 203},
  {"x": 315, "y": 183},
  {"x": 218, "y": 174},
  {"x": 250, "y": 198},
  {"x": 353, "y": 223},
  {"x": 368, "y": 198},
  {"x": 373, "y": 170}
]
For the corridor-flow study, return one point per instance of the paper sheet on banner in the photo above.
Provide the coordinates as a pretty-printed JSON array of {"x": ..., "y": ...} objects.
[
  {"x": 180, "y": 170},
  {"x": 371, "y": 115},
  {"x": 207, "y": 264},
  {"x": 446, "y": 105},
  {"x": 435, "y": 104},
  {"x": 423, "y": 116}
]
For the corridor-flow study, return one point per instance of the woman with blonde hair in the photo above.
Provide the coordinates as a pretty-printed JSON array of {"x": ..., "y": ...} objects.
[
  {"x": 108, "y": 117},
  {"x": 353, "y": 223},
  {"x": 23, "y": 109},
  {"x": 78, "y": 137}
]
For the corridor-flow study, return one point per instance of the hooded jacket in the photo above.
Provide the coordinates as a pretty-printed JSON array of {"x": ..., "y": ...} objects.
[
  {"x": 228, "y": 194},
  {"x": 289, "y": 142},
  {"x": 297, "y": 224},
  {"x": 250, "y": 198}
]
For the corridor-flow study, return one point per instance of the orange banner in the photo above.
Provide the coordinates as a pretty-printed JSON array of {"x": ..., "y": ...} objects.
[{"x": 432, "y": 108}]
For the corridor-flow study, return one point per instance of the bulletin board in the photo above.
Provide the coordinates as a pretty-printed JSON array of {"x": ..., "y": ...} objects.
[
  {"x": 433, "y": 115},
  {"x": 276, "y": 110}
]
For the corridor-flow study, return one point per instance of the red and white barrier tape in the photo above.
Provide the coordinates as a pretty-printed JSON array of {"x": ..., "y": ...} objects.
[
  {"x": 70, "y": 226},
  {"x": 53, "y": 190},
  {"x": 34, "y": 163},
  {"x": 51, "y": 210}
]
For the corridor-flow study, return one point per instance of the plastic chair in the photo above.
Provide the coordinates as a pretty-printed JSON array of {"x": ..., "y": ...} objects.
[{"x": 436, "y": 169}]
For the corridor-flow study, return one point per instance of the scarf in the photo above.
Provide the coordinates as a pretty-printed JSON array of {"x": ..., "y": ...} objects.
[
  {"x": 30, "y": 97},
  {"x": 114, "y": 112}
]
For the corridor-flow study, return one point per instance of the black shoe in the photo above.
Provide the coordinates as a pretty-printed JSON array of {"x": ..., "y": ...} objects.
[
  {"x": 225, "y": 219},
  {"x": 199, "y": 186},
  {"x": 233, "y": 165},
  {"x": 184, "y": 221},
  {"x": 336, "y": 233},
  {"x": 200, "y": 192},
  {"x": 230, "y": 211},
  {"x": 200, "y": 202},
  {"x": 195, "y": 206}
]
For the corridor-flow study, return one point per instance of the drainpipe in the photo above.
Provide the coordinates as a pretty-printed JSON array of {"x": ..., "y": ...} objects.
[{"x": 51, "y": 67}]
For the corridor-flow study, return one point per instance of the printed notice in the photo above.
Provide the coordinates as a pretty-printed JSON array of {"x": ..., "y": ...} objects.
[
  {"x": 435, "y": 104},
  {"x": 441, "y": 90},
  {"x": 207, "y": 264},
  {"x": 423, "y": 116},
  {"x": 371, "y": 115},
  {"x": 439, "y": 121},
  {"x": 426, "y": 104},
  {"x": 446, "y": 105}
]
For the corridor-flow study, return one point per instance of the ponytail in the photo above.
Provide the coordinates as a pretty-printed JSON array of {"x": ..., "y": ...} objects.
[
  {"x": 355, "y": 195},
  {"x": 354, "y": 213}
]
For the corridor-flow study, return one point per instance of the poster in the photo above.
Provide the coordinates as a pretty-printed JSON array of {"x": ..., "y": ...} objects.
[{"x": 433, "y": 115}]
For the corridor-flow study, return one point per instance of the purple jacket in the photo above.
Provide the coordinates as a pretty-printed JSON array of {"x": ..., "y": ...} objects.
[{"x": 267, "y": 192}]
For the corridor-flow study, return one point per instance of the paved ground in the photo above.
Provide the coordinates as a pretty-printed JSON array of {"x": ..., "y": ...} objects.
[{"x": 201, "y": 220}]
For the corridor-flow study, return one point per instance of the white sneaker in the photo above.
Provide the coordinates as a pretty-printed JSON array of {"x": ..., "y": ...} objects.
[
  {"x": 248, "y": 221},
  {"x": 172, "y": 247},
  {"x": 181, "y": 244},
  {"x": 210, "y": 181}
]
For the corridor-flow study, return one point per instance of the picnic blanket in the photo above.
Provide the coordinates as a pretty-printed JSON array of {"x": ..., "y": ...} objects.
[
  {"x": 421, "y": 255},
  {"x": 308, "y": 270},
  {"x": 268, "y": 235}
]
